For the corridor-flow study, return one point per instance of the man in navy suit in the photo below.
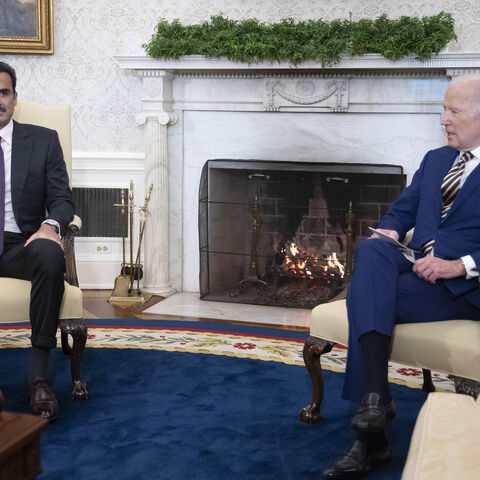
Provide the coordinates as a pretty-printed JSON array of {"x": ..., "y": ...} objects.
[
  {"x": 442, "y": 203},
  {"x": 35, "y": 209}
]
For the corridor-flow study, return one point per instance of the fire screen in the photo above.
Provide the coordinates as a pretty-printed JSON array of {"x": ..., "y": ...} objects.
[{"x": 282, "y": 233}]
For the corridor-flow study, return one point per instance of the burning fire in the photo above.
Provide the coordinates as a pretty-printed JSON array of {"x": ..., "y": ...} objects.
[{"x": 301, "y": 263}]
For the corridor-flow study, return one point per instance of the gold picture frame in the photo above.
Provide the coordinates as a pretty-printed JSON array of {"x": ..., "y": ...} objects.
[{"x": 26, "y": 26}]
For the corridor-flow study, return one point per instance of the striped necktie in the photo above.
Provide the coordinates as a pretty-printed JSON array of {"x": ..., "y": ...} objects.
[
  {"x": 450, "y": 187},
  {"x": 2, "y": 196}
]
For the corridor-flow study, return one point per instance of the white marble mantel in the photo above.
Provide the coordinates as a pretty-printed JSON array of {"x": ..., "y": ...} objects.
[
  {"x": 362, "y": 110},
  {"x": 198, "y": 63}
]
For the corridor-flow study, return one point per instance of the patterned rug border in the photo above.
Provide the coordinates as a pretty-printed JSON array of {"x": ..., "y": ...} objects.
[
  {"x": 221, "y": 342},
  {"x": 222, "y": 332}
]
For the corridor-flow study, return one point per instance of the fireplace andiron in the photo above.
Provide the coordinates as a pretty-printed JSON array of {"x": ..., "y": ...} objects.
[{"x": 132, "y": 272}]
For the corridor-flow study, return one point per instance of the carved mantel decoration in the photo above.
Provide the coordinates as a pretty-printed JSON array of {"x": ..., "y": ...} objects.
[
  {"x": 195, "y": 109},
  {"x": 305, "y": 93}
]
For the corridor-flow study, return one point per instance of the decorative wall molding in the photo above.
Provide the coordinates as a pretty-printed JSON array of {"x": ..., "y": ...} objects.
[
  {"x": 456, "y": 72},
  {"x": 315, "y": 74},
  {"x": 107, "y": 162},
  {"x": 298, "y": 89},
  {"x": 162, "y": 117},
  {"x": 194, "y": 64}
]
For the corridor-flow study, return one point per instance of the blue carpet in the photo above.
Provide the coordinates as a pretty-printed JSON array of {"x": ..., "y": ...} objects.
[{"x": 172, "y": 415}]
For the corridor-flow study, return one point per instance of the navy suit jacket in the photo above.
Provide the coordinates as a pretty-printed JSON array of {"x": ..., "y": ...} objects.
[
  {"x": 420, "y": 206},
  {"x": 39, "y": 180}
]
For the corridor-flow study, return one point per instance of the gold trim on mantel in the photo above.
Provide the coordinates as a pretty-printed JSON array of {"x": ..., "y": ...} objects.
[{"x": 42, "y": 42}]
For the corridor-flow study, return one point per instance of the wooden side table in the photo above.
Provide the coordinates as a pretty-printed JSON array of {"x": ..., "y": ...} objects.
[{"x": 20, "y": 445}]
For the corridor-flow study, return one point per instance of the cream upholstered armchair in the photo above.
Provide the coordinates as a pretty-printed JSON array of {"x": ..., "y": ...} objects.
[
  {"x": 447, "y": 346},
  {"x": 14, "y": 293}
]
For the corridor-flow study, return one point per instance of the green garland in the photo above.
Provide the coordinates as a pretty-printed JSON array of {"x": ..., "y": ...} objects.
[{"x": 253, "y": 41}]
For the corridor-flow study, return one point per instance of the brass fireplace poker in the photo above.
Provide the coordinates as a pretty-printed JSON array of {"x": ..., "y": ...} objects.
[
  {"x": 252, "y": 274},
  {"x": 131, "y": 272},
  {"x": 349, "y": 219},
  {"x": 143, "y": 214},
  {"x": 123, "y": 281},
  {"x": 252, "y": 271}
]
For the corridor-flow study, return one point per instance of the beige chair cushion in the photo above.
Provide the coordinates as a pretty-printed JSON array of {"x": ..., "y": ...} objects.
[
  {"x": 445, "y": 442},
  {"x": 15, "y": 301},
  {"x": 449, "y": 346}
]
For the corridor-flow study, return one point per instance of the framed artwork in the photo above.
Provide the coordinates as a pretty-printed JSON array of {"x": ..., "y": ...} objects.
[{"x": 26, "y": 26}]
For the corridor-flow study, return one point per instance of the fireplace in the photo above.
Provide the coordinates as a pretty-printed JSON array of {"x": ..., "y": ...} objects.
[
  {"x": 194, "y": 109},
  {"x": 282, "y": 233}
]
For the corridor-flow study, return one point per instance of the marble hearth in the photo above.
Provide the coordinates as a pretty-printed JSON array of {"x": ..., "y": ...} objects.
[{"x": 365, "y": 110}]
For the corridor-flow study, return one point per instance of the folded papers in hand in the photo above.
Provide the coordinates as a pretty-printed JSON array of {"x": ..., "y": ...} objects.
[{"x": 410, "y": 254}]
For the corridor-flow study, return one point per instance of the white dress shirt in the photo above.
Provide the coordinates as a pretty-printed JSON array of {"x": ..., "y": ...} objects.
[{"x": 6, "y": 144}]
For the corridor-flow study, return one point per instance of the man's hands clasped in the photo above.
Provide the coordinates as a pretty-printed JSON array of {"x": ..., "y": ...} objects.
[{"x": 432, "y": 269}]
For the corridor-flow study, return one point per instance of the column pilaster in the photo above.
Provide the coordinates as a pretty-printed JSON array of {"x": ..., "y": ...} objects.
[{"x": 157, "y": 116}]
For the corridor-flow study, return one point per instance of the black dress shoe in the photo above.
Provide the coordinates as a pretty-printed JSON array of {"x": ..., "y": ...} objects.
[
  {"x": 356, "y": 463},
  {"x": 43, "y": 401},
  {"x": 372, "y": 416}
]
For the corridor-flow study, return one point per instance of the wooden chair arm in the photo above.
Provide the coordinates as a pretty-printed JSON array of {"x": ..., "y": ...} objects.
[{"x": 69, "y": 246}]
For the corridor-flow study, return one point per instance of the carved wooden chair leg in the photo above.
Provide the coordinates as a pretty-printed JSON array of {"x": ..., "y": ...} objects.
[
  {"x": 312, "y": 350},
  {"x": 466, "y": 386},
  {"x": 77, "y": 329},
  {"x": 428, "y": 385}
]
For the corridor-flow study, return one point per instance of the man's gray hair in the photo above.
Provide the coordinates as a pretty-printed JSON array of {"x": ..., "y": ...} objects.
[{"x": 471, "y": 78}]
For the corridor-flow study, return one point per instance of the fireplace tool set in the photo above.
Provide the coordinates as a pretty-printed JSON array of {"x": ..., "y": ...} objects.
[{"x": 131, "y": 272}]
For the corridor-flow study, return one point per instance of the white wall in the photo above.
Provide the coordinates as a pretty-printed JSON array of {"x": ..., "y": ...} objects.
[{"x": 82, "y": 73}]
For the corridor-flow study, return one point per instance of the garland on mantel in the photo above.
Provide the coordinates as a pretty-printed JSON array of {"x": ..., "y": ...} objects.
[{"x": 324, "y": 41}]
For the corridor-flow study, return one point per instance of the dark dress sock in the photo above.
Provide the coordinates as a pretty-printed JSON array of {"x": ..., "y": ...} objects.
[
  {"x": 39, "y": 364},
  {"x": 375, "y": 349}
]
